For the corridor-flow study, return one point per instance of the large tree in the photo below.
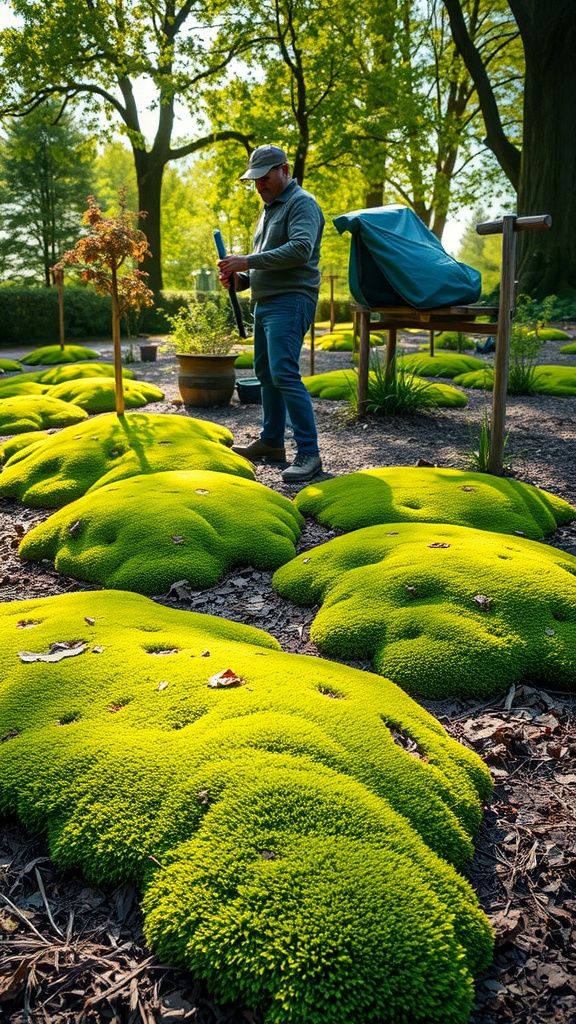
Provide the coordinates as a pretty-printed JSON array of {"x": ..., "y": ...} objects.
[
  {"x": 543, "y": 169},
  {"x": 104, "y": 52},
  {"x": 45, "y": 176}
]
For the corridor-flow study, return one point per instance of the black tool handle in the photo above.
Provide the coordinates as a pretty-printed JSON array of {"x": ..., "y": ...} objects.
[{"x": 219, "y": 243}]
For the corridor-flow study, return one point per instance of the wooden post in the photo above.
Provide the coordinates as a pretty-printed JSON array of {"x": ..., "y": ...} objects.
[
  {"x": 508, "y": 226},
  {"x": 363, "y": 360},
  {"x": 58, "y": 278},
  {"x": 390, "y": 368},
  {"x": 432, "y": 343},
  {"x": 312, "y": 335},
  {"x": 332, "y": 312},
  {"x": 502, "y": 358}
]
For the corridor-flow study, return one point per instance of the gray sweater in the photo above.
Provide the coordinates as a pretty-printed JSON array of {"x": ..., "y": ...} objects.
[{"x": 286, "y": 249}]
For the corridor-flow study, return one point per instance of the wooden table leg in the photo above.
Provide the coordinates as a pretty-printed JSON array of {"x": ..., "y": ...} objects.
[
  {"x": 363, "y": 360},
  {"x": 390, "y": 369}
]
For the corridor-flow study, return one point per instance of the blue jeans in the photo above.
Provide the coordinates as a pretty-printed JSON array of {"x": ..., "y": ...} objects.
[{"x": 280, "y": 324}]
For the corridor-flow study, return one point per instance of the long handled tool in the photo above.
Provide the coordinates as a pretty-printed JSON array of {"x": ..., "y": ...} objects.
[{"x": 219, "y": 243}]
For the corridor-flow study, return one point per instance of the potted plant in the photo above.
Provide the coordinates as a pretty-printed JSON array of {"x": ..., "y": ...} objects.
[{"x": 202, "y": 341}]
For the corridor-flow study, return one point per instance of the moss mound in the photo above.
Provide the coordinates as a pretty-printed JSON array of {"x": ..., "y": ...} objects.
[
  {"x": 20, "y": 413},
  {"x": 295, "y": 832},
  {"x": 324, "y": 325},
  {"x": 58, "y": 374},
  {"x": 22, "y": 386},
  {"x": 9, "y": 366},
  {"x": 547, "y": 380},
  {"x": 450, "y": 340},
  {"x": 338, "y": 385},
  {"x": 19, "y": 442},
  {"x": 50, "y": 355},
  {"x": 343, "y": 341},
  {"x": 447, "y": 364},
  {"x": 569, "y": 349},
  {"x": 147, "y": 532},
  {"x": 244, "y": 361},
  {"x": 442, "y": 610},
  {"x": 552, "y": 334},
  {"x": 50, "y": 473},
  {"x": 411, "y": 494},
  {"x": 97, "y": 394}
]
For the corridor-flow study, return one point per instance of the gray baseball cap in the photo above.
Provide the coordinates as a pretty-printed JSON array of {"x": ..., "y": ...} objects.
[{"x": 263, "y": 160}]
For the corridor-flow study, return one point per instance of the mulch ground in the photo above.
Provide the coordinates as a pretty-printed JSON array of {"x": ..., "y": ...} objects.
[{"x": 71, "y": 952}]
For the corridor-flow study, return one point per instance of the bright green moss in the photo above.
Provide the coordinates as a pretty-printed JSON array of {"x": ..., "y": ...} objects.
[
  {"x": 147, "y": 532},
  {"x": 552, "y": 334},
  {"x": 338, "y": 385},
  {"x": 22, "y": 386},
  {"x": 442, "y": 610},
  {"x": 343, "y": 341},
  {"x": 19, "y": 442},
  {"x": 20, "y": 413},
  {"x": 546, "y": 380},
  {"x": 569, "y": 349},
  {"x": 244, "y": 361},
  {"x": 97, "y": 394},
  {"x": 295, "y": 836},
  {"x": 48, "y": 355},
  {"x": 446, "y": 364},
  {"x": 9, "y": 365},
  {"x": 50, "y": 473},
  {"x": 429, "y": 495},
  {"x": 56, "y": 375},
  {"x": 451, "y": 340}
]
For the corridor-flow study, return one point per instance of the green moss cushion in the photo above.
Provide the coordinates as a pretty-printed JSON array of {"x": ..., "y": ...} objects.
[
  {"x": 343, "y": 341},
  {"x": 552, "y": 334},
  {"x": 324, "y": 325},
  {"x": 19, "y": 442},
  {"x": 429, "y": 495},
  {"x": 22, "y": 386},
  {"x": 9, "y": 365},
  {"x": 56, "y": 375},
  {"x": 450, "y": 340},
  {"x": 48, "y": 355},
  {"x": 341, "y": 385},
  {"x": 446, "y": 364},
  {"x": 97, "y": 394},
  {"x": 290, "y": 849},
  {"x": 442, "y": 610},
  {"x": 547, "y": 380},
  {"x": 244, "y": 361},
  {"x": 21, "y": 413},
  {"x": 147, "y": 532},
  {"x": 60, "y": 469},
  {"x": 569, "y": 349}
]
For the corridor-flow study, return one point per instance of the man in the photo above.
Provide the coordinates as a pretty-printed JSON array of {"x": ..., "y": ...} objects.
[{"x": 282, "y": 273}]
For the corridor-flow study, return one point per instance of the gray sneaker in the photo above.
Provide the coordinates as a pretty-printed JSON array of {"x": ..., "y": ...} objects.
[{"x": 304, "y": 467}]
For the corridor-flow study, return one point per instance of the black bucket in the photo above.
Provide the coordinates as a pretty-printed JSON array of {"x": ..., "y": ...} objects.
[{"x": 249, "y": 390}]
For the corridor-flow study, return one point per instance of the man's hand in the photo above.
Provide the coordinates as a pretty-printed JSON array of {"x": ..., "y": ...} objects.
[{"x": 229, "y": 266}]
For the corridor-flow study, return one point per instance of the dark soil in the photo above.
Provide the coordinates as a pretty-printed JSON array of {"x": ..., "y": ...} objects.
[{"x": 70, "y": 952}]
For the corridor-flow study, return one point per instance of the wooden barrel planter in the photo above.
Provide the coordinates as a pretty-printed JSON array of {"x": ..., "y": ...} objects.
[{"x": 206, "y": 380}]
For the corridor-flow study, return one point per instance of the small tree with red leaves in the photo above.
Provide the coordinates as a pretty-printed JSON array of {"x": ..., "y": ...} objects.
[{"x": 106, "y": 256}]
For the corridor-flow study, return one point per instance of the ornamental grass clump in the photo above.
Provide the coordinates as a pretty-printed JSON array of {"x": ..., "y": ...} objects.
[
  {"x": 427, "y": 494},
  {"x": 442, "y": 610},
  {"x": 342, "y": 385},
  {"x": 52, "y": 472},
  {"x": 544, "y": 380},
  {"x": 290, "y": 850},
  {"x": 148, "y": 532}
]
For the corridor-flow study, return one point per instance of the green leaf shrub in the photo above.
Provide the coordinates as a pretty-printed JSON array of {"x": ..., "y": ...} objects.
[
  {"x": 97, "y": 394},
  {"x": 148, "y": 532},
  {"x": 413, "y": 494},
  {"x": 23, "y": 412},
  {"x": 53, "y": 472},
  {"x": 444, "y": 365},
  {"x": 442, "y": 610},
  {"x": 291, "y": 851},
  {"x": 53, "y": 354}
]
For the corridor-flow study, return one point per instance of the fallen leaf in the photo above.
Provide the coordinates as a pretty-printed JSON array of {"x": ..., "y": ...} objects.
[
  {"x": 75, "y": 528},
  {"x": 177, "y": 539},
  {"x": 268, "y": 855},
  {"x": 58, "y": 651},
  {"x": 225, "y": 679},
  {"x": 484, "y": 603},
  {"x": 205, "y": 654},
  {"x": 469, "y": 490},
  {"x": 98, "y": 650},
  {"x": 162, "y": 685},
  {"x": 11, "y": 986},
  {"x": 438, "y": 544},
  {"x": 203, "y": 797},
  {"x": 90, "y": 622},
  {"x": 550, "y": 632},
  {"x": 424, "y": 462},
  {"x": 10, "y": 735},
  {"x": 201, "y": 490},
  {"x": 26, "y": 623}
]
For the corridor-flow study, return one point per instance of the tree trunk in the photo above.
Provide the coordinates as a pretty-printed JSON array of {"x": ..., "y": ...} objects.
[
  {"x": 547, "y": 264},
  {"x": 149, "y": 174}
]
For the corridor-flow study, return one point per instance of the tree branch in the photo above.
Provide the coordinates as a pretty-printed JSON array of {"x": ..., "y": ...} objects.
[{"x": 209, "y": 140}]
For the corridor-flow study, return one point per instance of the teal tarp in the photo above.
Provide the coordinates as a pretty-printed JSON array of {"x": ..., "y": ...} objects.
[{"x": 396, "y": 261}]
